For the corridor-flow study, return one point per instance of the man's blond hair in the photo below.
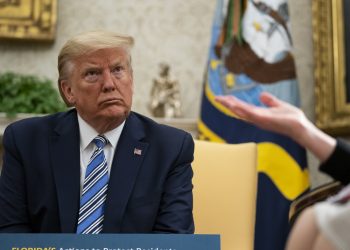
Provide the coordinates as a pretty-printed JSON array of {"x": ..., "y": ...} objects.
[{"x": 86, "y": 43}]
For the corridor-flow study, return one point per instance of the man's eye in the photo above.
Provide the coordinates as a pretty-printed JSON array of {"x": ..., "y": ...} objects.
[
  {"x": 92, "y": 75},
  {"x": 118, "y": 70}
]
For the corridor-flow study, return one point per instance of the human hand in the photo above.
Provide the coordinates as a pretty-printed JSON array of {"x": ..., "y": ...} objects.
[
  {"x": 279, "y": 116},
  {"x": 283, "y": 118}
]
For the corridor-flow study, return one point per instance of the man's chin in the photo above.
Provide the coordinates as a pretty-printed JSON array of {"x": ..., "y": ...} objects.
[{"x": 115, "y": 112}]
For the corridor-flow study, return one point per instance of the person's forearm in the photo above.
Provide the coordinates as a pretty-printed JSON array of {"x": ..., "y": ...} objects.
[{"x": 316, "y": 141}]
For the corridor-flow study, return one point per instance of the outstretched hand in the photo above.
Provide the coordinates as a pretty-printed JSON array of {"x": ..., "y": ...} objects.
[
  {"x": 282, "y": 117},
  {"x": 279, "y": 116}
]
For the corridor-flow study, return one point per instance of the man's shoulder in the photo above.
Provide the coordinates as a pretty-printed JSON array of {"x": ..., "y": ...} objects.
[
  {"x": 151, "y": 125},
  {"x": 41, "y": 121}
]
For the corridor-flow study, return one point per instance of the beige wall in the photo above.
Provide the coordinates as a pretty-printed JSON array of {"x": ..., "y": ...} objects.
[{"x": 173, "y": 31}]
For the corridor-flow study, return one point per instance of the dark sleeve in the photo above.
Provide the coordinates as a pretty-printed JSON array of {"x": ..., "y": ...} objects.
[
  {"x": 13, "y": 203},
  {"x": 175, "y": 212},
  {"x": 338, "y": 164}
]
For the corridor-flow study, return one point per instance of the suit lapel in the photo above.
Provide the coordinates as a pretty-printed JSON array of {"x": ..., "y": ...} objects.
[
  {"x": 65, "y": 160},
  {"x": 128, "y": 157}
]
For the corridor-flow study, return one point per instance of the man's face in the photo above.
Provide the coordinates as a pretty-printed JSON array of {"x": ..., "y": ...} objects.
[{"x": 100, "y": 86}]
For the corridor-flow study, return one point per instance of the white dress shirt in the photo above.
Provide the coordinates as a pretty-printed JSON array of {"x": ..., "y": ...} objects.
[{"x": 87, "y": 147}]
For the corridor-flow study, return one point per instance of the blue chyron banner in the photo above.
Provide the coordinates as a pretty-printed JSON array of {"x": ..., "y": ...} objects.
[
  {"x": 109, "y": 242},
  {"x": 250, "y": 52}
]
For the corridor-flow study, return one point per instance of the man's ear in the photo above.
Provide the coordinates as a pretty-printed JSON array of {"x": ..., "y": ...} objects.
[{"x": 67, "y": 93}]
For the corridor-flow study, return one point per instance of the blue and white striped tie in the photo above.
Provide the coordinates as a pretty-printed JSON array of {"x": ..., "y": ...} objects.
[{"x": 94, "y": 193}]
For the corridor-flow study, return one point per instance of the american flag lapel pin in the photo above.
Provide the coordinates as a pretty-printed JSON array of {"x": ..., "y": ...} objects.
[{"x": 137, "y": 151}]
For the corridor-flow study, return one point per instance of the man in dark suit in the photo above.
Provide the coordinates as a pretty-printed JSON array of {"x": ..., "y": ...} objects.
[{"x": 98, "y": 167}]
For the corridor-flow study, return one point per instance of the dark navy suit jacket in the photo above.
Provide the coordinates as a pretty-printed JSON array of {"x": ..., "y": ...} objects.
[{"x": 147, "y": 192}]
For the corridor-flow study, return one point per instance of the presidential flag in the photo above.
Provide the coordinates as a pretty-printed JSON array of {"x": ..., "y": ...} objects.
[{"x": 250, "y": 52}]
